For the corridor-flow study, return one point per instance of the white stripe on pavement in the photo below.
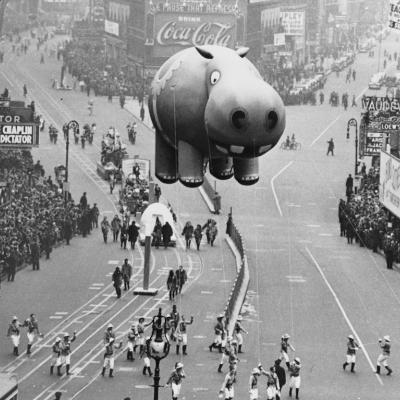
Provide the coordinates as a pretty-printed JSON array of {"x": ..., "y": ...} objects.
[
  {"x": 273, "y": 186},
  {"x": 339, "y": 304}
]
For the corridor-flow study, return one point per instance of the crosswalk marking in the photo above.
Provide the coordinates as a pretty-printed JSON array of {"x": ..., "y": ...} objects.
[
  {"x": 55, "y": 316},
  {"x": 61, "y": 312},
  {"x": 113, "y": 262}
]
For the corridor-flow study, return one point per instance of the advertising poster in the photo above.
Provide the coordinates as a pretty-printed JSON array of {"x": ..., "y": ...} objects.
[{"x": 389, "y": 183}]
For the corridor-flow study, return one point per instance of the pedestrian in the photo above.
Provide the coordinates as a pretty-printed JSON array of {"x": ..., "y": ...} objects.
[
  {"x": 11, "y": 261},
  {"x": 66, "y": 351},
  {"x": 188, "y": 234},
  {"x": 354, "y": 74},
  {"x": 321, "y": 98},
  {"x": 133, "y": 234},
  {"x": 32, "y": 326},
  {"x": 14, "y": 333},
  {"x": 384, "y": 356},
  {"x": 90, "y": 107},
  {"x": 116, "y": 227},
  {"x": 157, "y": 192},
  {"x": 212, "y": 233},
  {"x": 117, "y": 279},
  {"x": 108, "y": 334},
  {"x": 56, "y": 357},
  {"x": 126, "y": 270},
  {"x": 35, "y": 255},
  {"x": 253, "y": 384},
  {"x": 167, "y": 233},
  {"x": 349, "y": 187},
  {"x": 388, "y": 249},
  {"x": 94, "y": 212},
  {"x": 105, "y": 227},
  {"x": 353, "y": 101},
  {"x": 281, "y": 374},
  {"x": 83, "y": 202},
  {"x": 57, "y": 395},
  {"x": 175, "y": 380},
  {"x": 331, "y": 146},
  {"x": 273, "y": 388},
  {"x": 285, "y": 345},
  {"x": 25, "y": 90},
  {"x": 140, "y": 341},
  {"x": 109, "y": 357},
  {"x": 198, "y": 234},
  {"x": 145, "y": 354},
  {"x": 237, "y": 331},
  {"x": 68, "y": 229},
  {"x": 157, "y": 233},
  {"x": 132, "y": 334},
  {"x": 112, "y": 182},
  {"x": 295, "y": 379},
  {"x": 352, "y": 347},
  {"x": 227, "y": 389},
  {"x": 124, "y": 235},
  {"x": 219, "y": 331},
  {"x": 181, "y": 334},
  {"x": 171, "y": 285},
  {"x": 181, "y": 278},
  {"x": 142, "y": 113},
  {"x": 122, "y": 100}
]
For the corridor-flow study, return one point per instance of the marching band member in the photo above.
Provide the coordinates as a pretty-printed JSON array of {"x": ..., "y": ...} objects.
[
  {"x": 182, "y": 334},
  {"x": 66, "y": 351},
  {"x": 238, "y": 329},
  {"x": 253, "y": 382},
  {"x": 33, "y": 327},
  {"x": 14, "y": 333},
  {"x": 56, "y": 358},
  {"x": 219, "y": 331},
  {"x": 109, "y": 356},
  {"x": 131, "y": 343},
  {"x": 109, "y": 333},
  {"x": 295, "y": 379},
  {"x": 384, "y": 356},
  {"x": 140, "y": 335},
  {"x": 284, "y": 348},
  {"x": 227, "y": 388},
  {"x": 352, "y": 347},
  {"x": 145, "y": 354},
  {"x": 175, "y": 380},
  {"x": 225, "y": 353}
]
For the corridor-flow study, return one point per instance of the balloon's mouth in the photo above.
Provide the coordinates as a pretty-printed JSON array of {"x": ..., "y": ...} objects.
[{"x": 241, "y": 151}]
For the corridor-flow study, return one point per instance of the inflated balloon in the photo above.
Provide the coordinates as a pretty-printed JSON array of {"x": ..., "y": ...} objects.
[{"x": 210, "y": 104}]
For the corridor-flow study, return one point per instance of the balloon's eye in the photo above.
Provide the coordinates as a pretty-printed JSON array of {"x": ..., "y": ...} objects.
[{"x": 214, "y": 78}]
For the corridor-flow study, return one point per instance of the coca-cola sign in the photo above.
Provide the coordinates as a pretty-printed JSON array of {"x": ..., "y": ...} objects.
[{"x": 175, "y": 31}]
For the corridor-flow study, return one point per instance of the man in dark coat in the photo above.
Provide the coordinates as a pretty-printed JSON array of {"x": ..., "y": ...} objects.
[
  {"x": 117, "y": 279},
  {"x": 166, "y": 231},
  {"x": 35, "y": 254},
  {"x": 11, "y": 260},
  {"x": 95, "y": 215},
  {"x": 349, "y": 187},
  {"x": 67, "y": 230},
  {"x": 133, "y": 234},
  {"x": 83, "y": 201},
  {"x": 281, "y": 374},
  {"x": 181, "y": 277}
]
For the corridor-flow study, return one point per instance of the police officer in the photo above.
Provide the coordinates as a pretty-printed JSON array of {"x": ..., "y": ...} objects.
[
  {"x": 219, "y": 331},
  {"x": 285, "y": 345},
  {"x": 352, "y": 347},
  {"x": 56, "y": 357},
  {"x": 109, "y": 356},
  {"x": 295, "y": 379},
  {"x": 33, "y": 328},
  {"x": 238, "y": 329},
  {"x": 131, "y": 343},
  {"x": 384, "y": 356},
  {"x": 66, "y": 351},
  {"x": 253, "y": 384},
  {"x": 175, "y": 380},
  {"x": 14, "y": 333},
  {"x": 182, "y": 334}
]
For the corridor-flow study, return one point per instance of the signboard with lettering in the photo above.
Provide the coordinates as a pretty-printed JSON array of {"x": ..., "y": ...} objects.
[
  {"x": 111, "y": 27},
  {"x": 389, "y": 183},
  {"x": 394, "y": 14},
  {"x": 174, "y": 31},
  {"x": 377, "y": 104},
  {"x": 293, "y": 22},
  {"x": 373, "y": 143},
  {"x": 16, "y": 134},
  {"x": 279, "y": 39}
]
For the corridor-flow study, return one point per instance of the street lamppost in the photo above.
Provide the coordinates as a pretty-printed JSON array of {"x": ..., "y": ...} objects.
[
  {"x": 158, "y": 346},
  {"x": 74, "y": 126},
  {"x": 353, "y": 122}
]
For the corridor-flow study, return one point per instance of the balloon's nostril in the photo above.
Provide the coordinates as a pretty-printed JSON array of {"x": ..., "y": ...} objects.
[
  {"x": 271, "y": 120},
  {"x": 239, "y": 119}
]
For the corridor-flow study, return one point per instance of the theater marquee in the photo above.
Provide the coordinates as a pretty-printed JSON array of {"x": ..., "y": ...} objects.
[
  {"x": 175, "y": 31},
  {"x": 19, "y": 135}
]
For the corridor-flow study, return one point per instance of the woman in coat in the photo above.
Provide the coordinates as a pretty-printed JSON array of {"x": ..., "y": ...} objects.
[
  {"x": 198, "y": 234},
  {"x": 188, "y": 234},
  {"x": 172, "y": 284}
]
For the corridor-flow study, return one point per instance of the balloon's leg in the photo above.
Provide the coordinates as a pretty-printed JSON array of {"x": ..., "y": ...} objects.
[
  {"x": 221, "y": 168},
  {"x": 166, "y": 162},
  {"x": 190, "y": 164},
  {"x": 246, "y": 170}
]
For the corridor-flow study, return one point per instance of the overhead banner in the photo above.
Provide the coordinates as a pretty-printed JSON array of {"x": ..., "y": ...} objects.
[
  {"x": 373, "y": 143},
  {"x": 293, "y": 22},
  {"x": 389, "y": 183},
  {"x": 175, "y": 31},
  {"x": 394, "y": 14}
]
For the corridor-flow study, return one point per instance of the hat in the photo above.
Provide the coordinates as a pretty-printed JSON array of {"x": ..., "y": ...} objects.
[
  {"x": 220, "y": 316},
  {"x": 14, "y": 318},
  {"x": 234, "y": 341},
  {"x": 351, "y": 337},
  {"x": 255, "y": 371},
  {"x": 179, "y": 365},
  {"x": 286, "y": 336},
  {"x": 297, "y": 360},
  {"x": 66, "y": 334},
  {"x": 386, "y": 338},
  {"x": 110, "y": 326},
  {"x": 58, "y": 339},
  {"x": 239, "y": 318}
]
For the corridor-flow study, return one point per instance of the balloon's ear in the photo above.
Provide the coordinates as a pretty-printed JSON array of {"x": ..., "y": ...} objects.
[
  {"x": 204, "y": 53},
  {"x": 242, "y": 51}
]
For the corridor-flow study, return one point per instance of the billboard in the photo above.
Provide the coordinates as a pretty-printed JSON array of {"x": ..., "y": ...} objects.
[
  {"x": 293, "y": 22},
  {"x": 111, "y": 27},
  {"x": 389, "y": 183},
  {"x": 18, "y": 135},
  {"x": 374, "y": 142},
  {"x": 175, "y": 31}
]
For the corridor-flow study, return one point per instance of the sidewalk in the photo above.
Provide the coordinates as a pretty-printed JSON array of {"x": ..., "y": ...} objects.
[{"x": 133, "y": 107}]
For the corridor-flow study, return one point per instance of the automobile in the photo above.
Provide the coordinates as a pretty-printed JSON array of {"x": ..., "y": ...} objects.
[{"x": 377, "y": 80}]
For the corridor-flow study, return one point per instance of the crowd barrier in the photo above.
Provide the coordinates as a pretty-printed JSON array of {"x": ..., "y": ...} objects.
[{"x": 240, "y": 286}]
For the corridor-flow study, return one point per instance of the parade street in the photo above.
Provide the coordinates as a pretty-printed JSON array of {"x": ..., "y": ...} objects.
[{"x": 305, "y": 279}]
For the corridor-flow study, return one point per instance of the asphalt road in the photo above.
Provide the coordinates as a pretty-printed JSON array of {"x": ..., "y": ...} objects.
[{"x": 305, "y": 279}]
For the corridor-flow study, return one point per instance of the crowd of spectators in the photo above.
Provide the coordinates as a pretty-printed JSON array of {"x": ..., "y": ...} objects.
[
  {"x": 92, "y": 70},
  {"x": 364, "y": 219},
  {"x": 35, "y": 216}
]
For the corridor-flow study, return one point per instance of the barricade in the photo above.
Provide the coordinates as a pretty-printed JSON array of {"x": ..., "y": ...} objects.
[{"x": 240, "y": 286}]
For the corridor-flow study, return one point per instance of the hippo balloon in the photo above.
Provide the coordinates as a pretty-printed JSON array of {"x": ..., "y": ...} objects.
[{"x": 210, "y": 104}]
